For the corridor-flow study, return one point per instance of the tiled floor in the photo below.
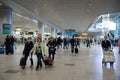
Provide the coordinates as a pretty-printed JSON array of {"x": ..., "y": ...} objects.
[{"x": 86, "y": 65}]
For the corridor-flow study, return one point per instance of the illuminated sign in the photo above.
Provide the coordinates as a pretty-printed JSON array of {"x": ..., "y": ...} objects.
[{"x": 6, "y": 29}]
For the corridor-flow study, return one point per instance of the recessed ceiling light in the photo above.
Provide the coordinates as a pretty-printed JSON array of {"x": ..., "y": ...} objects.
[
  {"x": 0, "y": 4},
  {"x": 18, "y": 29},
  {"x": 45, "y": 4},
  {"x": 90, "y": 4},
  {"x": 51, "y": 10},
  {"x": 87, "y": 10}
]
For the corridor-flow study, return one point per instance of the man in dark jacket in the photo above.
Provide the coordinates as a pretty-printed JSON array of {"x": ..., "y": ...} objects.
[
  {"x": 12, "y": 40},
  {"x": 7, "y": 44},
  {"x": 65, "y": 43},
  {"x": 26, "y": 51},
  {"x": 106, "y": 45},
  {"x": 72, "y": 42}
]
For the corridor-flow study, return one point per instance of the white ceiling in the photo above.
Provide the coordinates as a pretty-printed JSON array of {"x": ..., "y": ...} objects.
[
  {"x": 65, "y": 14},
  {"x": 23, "y": 23}
]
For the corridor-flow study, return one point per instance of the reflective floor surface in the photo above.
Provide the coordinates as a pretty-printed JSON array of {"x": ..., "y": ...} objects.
[{"x": 86, "y": 65}]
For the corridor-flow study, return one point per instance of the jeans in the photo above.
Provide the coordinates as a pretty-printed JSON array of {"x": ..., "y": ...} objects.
[
  {"x": 72, "y": 49},
  {"x": 8, "y": 50},
  {"x": 65, "y": 46},
  {"x": 39, "y": 62},
  {"x": 12, "y": 48},
  {"x": 58, "y": 45},
  {"x": 31, "y": 59},
  {"x": 52, "y": 55}
]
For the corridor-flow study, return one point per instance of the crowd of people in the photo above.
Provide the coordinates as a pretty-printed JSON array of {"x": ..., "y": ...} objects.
[
  {"x": 53, "y": 44},
  {"x": 37, "y": 47}
]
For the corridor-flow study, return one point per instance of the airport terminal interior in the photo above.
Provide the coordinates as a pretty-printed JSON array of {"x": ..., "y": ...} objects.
[{"x": 84, "y": 33}]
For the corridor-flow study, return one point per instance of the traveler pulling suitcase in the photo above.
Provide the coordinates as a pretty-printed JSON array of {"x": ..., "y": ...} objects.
[{"x": 108, "y": 57}]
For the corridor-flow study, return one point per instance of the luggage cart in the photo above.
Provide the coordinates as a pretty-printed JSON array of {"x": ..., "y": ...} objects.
[{"x": 108, "y": 57}]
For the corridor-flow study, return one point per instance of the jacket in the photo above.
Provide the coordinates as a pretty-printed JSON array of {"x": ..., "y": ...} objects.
[
  {"x": 72, "y": 41},
  {"x": 33, "y": 50},
  {"x": 51, "y": 43},
  {"x": 27, "y": 48},
  {"x": 106, "y": 44}
]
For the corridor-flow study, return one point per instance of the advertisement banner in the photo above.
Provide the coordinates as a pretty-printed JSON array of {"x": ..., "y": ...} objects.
[{"x": 6, "y": 29}]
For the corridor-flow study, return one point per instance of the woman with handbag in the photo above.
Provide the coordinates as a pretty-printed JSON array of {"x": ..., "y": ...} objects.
[{"x": 51, "y": 47}]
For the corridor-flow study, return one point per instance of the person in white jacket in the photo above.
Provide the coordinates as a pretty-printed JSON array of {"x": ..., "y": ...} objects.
[{"x": 39, "y": 50}]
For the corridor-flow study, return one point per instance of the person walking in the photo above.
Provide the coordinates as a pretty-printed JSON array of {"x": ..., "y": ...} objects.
[
  {"x": 51, "y": 47},
  {"x": 26, "y": 51},
  {"x": 88, "y": 43},
  {"x": 72, "y": 42},
  {"x": 65, "y": 43},
  {"x": 39, "y": 50},
  {"x": 106, "y": 45},
  {"x": 59, "y": 42},
  {"x": 12, "y": 41},
  {"x": 7, "y": 44}
]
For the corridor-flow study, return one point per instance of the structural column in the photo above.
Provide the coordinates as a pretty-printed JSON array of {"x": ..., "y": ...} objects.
[
  {"x": 54, "y": 32},
  {"x": 5, "y": 22},
  {"x": 117, "y": 32},
  {"x": 41, "y": 30}
]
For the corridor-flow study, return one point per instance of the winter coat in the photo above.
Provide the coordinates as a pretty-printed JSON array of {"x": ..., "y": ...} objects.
[{"x": 27, "y": 48}]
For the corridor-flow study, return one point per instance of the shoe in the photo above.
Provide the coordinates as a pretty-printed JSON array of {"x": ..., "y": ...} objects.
[
  {"x": 23, "y": 67},
  {"x": 36, "y": 69},
  {"x": 31, "y": 66}
]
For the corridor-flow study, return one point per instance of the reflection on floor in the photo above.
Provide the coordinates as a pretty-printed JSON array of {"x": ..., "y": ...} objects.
[{"x": 86, "y": 65}]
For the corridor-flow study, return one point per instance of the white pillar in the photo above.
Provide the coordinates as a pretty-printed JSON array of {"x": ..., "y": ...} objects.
[
  {"x": 63, "y": 34},
  {"x": 5, "y": 22},
  {"x": 54, "y": 32}
]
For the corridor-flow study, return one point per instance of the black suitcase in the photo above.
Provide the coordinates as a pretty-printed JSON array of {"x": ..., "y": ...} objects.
[
  {"x": 76, "y": 50},
  {"x": 22, "y": 61}
]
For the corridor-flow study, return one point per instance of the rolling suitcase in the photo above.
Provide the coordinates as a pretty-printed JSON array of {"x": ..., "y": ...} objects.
[
  {"x": 22, "y": 61},
  {"x": 76, "y": 50},
  {"x": 48, "y": 62}
]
